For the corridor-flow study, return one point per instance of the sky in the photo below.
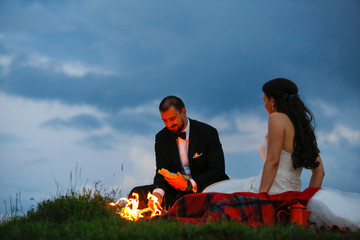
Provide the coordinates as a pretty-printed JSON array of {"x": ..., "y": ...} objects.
[{"x": 80, "y": 84}]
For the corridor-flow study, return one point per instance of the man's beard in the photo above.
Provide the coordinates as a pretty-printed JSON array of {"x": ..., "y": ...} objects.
[{"x": 180, "y": 129}]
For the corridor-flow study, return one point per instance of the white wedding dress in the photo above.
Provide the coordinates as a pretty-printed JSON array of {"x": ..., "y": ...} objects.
[{"x": 329, "y": 206}]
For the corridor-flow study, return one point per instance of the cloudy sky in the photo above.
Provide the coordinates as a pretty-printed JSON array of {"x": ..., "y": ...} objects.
[{"x": 80, "y": 83}]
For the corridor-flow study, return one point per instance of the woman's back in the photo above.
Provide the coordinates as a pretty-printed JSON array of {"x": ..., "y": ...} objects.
[{"x": 284, "y": 123}]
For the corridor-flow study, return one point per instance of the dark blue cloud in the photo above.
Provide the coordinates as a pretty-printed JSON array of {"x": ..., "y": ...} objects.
[
  {"x": 135, "y": 123},
  {"x": 99, "y": 142},
  {"x": 81, "y": 122},
  {"x": 219, "y": 56},
  {"x": 8, "y": 138}
]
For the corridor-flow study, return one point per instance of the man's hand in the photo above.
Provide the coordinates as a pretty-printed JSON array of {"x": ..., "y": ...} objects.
[
  {"x": 151, "y": 202},
  {"x": 178, "y": 182}
]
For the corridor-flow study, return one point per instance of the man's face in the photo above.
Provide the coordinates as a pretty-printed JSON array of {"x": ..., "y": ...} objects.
[{"x": 173, "y": 119}]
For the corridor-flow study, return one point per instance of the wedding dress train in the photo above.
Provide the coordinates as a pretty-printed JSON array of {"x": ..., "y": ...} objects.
[{"x": 329, "y": 206}]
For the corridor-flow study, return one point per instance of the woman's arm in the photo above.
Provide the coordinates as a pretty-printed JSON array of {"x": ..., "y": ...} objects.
[
  {"x": 275, "y": 138},
  {"x": 317, "y": 174}
]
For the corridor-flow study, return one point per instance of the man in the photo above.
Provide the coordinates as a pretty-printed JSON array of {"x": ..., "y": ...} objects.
[{"x": 189, "y": 148}]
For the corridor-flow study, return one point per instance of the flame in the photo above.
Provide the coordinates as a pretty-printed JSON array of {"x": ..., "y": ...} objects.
[{"x": 131, "y": 212}]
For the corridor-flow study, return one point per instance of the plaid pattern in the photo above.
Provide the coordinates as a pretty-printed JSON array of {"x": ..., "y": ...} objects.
[{"x": 254, "y": 209}]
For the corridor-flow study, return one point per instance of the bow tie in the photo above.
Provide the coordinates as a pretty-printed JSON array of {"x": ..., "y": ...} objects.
[{"x": 182, "y": 135}]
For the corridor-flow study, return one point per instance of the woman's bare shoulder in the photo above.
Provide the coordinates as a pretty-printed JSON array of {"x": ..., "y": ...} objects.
[
  {"x": 275, "y": 116},
  {"x": 279, "y": 119}
]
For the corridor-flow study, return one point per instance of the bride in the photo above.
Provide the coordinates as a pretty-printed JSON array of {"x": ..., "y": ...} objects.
[{"x": 289, "y": 146}]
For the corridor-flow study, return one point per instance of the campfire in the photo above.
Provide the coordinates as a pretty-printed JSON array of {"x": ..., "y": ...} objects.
[{"x": 130, "y": 210}]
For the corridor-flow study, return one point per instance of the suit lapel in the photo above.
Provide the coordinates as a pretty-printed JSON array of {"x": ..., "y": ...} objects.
[{"x": 193, "y": 138}]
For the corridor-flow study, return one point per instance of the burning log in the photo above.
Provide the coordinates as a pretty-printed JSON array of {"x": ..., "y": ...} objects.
[{"x": 131, "y": 212}]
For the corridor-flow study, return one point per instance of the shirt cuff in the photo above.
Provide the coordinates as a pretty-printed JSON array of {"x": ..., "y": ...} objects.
[
  {"x": 160, "y": 191},
  {"x": 194, "y": 186}
]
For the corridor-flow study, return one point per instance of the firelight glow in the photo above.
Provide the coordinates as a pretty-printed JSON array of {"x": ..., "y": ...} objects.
[{"x": 131, "y": 209}]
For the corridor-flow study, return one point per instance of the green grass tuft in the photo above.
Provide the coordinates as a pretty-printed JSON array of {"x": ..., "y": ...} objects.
[
  {"x": 87, "y": 215},
  {"x": 69, "y": 209}
]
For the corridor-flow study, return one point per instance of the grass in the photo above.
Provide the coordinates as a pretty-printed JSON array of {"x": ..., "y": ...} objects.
[
  {"x": 86, "y": 214},
  {"x": 89, "y": 216}
]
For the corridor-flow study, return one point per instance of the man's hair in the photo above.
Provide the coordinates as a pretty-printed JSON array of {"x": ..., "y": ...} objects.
[{"x": 171, "y": 101}]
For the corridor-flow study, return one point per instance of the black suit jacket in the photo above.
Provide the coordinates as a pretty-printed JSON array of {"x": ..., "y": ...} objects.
[{"x": 205, "y": 169}]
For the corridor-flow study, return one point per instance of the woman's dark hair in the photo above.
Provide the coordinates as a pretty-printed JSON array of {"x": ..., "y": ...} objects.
[
  {"x": 286, "y": 100},
  {"x": 171, "y": 101}
]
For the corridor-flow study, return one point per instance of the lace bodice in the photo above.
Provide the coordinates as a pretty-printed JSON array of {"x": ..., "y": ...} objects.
[{"x": 287, "y": 177}]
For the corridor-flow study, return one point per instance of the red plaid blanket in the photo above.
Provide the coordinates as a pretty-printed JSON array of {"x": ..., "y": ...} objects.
[{"x": 254, "y": 209}]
